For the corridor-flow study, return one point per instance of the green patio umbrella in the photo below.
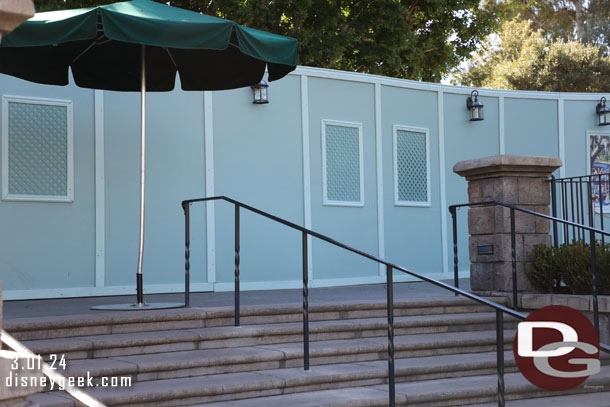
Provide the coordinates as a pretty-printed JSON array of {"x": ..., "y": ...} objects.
[{"x": 139, "y": 45}]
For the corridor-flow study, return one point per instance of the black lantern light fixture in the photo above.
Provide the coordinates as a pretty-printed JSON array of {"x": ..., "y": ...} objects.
[
  {"x": 261, "y": 93},
  {"x": 603, "y": 112},
  {"x": 474, "y": 106}
]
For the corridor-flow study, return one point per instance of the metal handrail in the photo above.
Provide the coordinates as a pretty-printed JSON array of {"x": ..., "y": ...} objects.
[
  {"x": 500, "y": 310},
  {"x": 513, "y": 208}
]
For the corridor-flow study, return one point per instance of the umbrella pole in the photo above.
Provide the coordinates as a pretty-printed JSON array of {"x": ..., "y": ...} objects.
[
  {"x": 140, "y": 288},
  {"x": 140, "y": 304}
]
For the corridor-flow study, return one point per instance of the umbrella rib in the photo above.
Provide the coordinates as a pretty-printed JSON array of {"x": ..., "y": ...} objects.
[
  {"x": 171, "y": 57},
  {"x": 97, "y": 40}
]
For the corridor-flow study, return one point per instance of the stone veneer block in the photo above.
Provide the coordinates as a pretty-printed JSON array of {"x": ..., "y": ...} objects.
[
  {"x": 13, "y": 13},
  {"x": 513, "y": 180}
]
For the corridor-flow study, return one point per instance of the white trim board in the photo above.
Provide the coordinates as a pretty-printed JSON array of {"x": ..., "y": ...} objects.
[
  {"x": 100, "y": 190},
  {"x": 210, "y": 214},
  {"x": 501, "y": 132},
  {"x": 69, "y": 197},
  {"x": 397, "y": 202},
  {"x": 561, "y": 137},
  {"x": 327, "y": 201},
  {"x": 379, "y": 170},
  {"x": 462, "y": 90},
  {"x": 8, "y": 295},
  {"x": 329, "y": 282},
  {"x": 397, "y": 278},
  {"x": 442, "y": 180},
  {"x": 306, "y": 171}
]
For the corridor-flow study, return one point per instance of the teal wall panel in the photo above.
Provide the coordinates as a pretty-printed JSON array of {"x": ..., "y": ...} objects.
[
  {"x": 579, "y": 118},
  {"x": 175, "y": 171},
  {"x": 531, "y": 126},
  {"x": 466, "y": 140},
  {"x": 355, "y": 226},
  {"x": 408, "y": 228},
  {"x": 48, "y": 245},
  {"x": 258, "y": 159}
]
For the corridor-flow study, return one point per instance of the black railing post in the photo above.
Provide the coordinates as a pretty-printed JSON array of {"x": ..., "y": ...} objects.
[
  {"x": 554, "y": 210},
  {"x": 236, "y": 265},
  {"x": 500, "y": 355},
  {"x": 601, "y": 210},
  {"x": 564, "y": 210},
  {"x": 390, "y": 300},
  {"x": 572, "y": 210},
  {"x": 456, "y": 280},
  {"x": 513, "y": 254},
  {"x": 187, "y": 254},
  {"x": 305, "y": 305},
  {"x": 593, "y": 266}
]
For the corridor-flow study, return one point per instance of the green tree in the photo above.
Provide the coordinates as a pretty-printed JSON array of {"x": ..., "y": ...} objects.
[
  {"x": 523, "y": 58},
  {"x": 412, "y": 39},
  {"x": 587, "y": 21}
]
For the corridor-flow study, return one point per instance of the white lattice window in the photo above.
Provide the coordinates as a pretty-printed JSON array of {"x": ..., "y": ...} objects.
[
  {"x": 37, "y": 150},
  {"x": 342, "y": 163},
  {"x": 411, "y": 166}
]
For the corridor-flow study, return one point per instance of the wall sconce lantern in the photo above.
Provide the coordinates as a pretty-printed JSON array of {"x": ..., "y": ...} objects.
[
  {"x": 603, "y": 112},
  {"x": 474, "y": 106},
  {"x": 261, "y": 93}
]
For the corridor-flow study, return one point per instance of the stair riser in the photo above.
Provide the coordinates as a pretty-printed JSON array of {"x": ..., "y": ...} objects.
[
  {"x": 402, "y": 375},
  {"x": 292, "y": 386},
  {"x": 52, "y": 332},
  {"x": 296, "y": 361},
  {"x": 272, "y": 338},
  {"x": 489, "y": 397}
]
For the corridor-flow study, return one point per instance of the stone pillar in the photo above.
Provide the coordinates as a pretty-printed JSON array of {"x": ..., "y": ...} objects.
[
  {"x": 515, "y": 180},
  {"x": 13, "y": 13}
]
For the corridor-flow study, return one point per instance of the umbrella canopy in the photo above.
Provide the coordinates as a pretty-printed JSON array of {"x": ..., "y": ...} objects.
[
  {"x": 102, "y": 46},
  {"x": 139, "y": 45}
]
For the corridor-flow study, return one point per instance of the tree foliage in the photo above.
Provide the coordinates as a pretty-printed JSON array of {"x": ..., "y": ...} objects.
[
  {"x": 522, "y": 57},
  {"x": 415, "y": 39},
  {"x": 587, "y": 21}
]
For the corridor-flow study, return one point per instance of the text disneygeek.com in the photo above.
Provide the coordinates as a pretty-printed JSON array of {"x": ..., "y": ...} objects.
[{"x": 24, "y": 373}]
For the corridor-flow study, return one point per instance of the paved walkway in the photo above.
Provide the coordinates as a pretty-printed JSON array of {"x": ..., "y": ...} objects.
[{"x": 374, "y": 292}]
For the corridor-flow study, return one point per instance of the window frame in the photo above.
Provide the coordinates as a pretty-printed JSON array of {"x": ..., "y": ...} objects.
[
  {"x": 329, "y": 202},
  {"x": 397, "y": 201},
  {"x": 6, "y": 195}
]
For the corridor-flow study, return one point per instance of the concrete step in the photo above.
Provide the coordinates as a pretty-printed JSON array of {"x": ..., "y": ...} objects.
[
  {"x": 98, "y": 346},
  {"x": 586, "y": 400},
  {"x": 354, "y": 386},
  {"x": 104, "y": 323},
  {"x": 268, "y": 357},
  {"x": 292, "y": 380}
]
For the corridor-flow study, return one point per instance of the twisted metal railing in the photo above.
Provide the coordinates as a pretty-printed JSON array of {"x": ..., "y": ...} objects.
[{"x": 390, "y": 267}]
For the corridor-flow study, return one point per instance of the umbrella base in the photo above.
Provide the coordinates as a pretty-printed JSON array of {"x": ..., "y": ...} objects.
[{"x": 138, "y": 307}]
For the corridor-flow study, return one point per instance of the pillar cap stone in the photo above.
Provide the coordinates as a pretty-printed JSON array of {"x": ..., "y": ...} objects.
[
  {"x": 13, "y": 13},
  {"x": 507, "y": 165}
]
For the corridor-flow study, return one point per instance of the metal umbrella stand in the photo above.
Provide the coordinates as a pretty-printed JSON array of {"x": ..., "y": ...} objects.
[{"x": 140, "y": 45}]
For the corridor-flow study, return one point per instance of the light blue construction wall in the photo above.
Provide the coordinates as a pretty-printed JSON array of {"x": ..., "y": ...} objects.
[
  {"x": 408, "y": 228},
  {"x": 256, "y": 155},
  {"x": 51, "y": 245},
  {"x": 258, "y": 159},
  {"x": 174, "y": 169}
]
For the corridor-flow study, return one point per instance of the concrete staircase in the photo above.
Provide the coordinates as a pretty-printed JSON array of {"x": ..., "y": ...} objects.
[{"x": 445, "y": 350}]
